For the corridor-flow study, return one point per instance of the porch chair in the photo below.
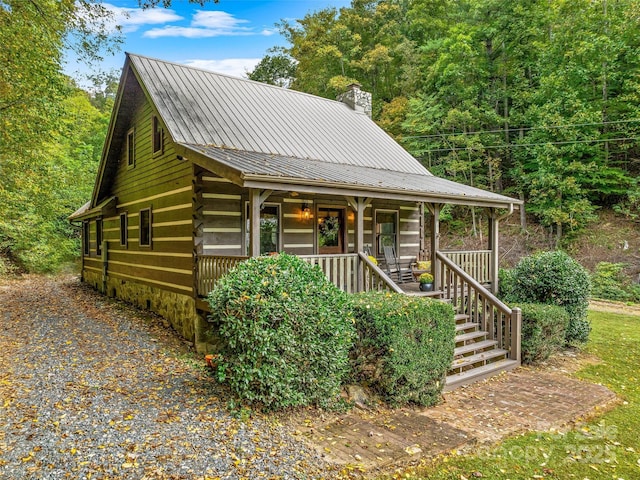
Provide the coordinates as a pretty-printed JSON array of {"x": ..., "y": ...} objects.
[{"x": 392, "y": 265}]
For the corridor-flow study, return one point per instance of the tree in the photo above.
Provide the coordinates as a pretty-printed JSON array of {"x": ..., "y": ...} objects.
[{"x": 278, "y": 69}]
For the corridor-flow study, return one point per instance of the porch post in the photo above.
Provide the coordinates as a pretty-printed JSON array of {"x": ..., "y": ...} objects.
[
  {"x": 359, "y": 204},
  {"x": 254, "y": 222},
  {"x": 494, "y": 222},
  {"x": 434, "y": 209}
]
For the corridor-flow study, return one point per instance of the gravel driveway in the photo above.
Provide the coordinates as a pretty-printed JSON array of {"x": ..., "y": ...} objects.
[{"x": 92, "y": 388}]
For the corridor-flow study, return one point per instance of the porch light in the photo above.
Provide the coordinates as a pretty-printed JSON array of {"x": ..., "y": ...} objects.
[{"x": 305, "y": 212}]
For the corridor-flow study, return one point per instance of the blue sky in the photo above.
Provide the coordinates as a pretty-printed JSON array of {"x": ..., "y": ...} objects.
[{"x": 227, "y": 37}]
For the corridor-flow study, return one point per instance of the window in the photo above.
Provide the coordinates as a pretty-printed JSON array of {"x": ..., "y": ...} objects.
[
  {"x": 269, "y": 229},
  {"x": 85, "y": 237},
  {"x": 124, "y": 223},
  {"x": 386, "y": 229},
  {"x": 131, "y": 148},
  {"x": 145, "y": 227},
  {"x": 157, "y": 135},
  {"x": 99, "y": 236}
]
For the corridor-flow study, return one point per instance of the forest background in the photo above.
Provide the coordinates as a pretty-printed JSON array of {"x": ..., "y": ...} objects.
[{"x": 537, "y": 99}]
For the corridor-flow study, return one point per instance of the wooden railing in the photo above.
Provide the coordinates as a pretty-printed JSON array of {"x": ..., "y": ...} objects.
[
  {"x": 373, "y": 278},
  {"x": 477, "y": 263},
  {"x": 210, "y": 268},
  {"x": 469, "y": 297},
  {"x": 341, "y": 269}
]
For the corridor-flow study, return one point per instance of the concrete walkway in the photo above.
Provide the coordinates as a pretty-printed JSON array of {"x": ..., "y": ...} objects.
[{"x": 526, "y": 399}]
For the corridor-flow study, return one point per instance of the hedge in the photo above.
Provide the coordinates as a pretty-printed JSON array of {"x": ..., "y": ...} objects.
[
  {"x": 404, "y": 346},
  {"x": 544, "y": 328}
]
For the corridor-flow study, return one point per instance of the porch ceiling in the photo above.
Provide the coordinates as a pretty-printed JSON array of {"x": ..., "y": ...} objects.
[{"x": 259, "y": 170}]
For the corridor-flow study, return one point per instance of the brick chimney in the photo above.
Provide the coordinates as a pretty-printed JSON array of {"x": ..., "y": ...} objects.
[{"x": 356, "y": 99}]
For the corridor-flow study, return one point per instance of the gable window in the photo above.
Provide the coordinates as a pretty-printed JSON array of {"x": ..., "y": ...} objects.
[
  {"x": 131, "y": 148},
  {"x": 124, "y": 223},
  {"x": 85, "y": 237},
  {"x": 386, "y": 229},
  {"x": 145, "y": 227},
  {"x": 99, "y": 236},
  {"x": 157, "y": 135}
]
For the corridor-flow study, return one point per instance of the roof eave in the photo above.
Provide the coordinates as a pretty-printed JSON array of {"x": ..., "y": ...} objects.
[{"x": 325, "y": 187}]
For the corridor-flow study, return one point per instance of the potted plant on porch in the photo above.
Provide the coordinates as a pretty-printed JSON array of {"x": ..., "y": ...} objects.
[{"x": 426, "y": 282}]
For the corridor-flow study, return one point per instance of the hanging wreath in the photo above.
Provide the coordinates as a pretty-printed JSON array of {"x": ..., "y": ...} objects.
[{"x": 330, "y": 227}]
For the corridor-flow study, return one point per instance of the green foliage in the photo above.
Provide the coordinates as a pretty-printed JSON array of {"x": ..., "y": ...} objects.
[
  {"x": 610, "y": 283},
  {"x": 553, "y": 278},
  {"x": 404, "y": 347},
  {"x": 537, "y": 99},
  {"x": 278, "y": 69},
  {"x": 544, "y": 328},
  {"x": 286, "y": 332}
]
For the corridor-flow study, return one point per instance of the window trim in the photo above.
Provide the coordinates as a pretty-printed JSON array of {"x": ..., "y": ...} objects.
[
  {"x": 99, "y": 236},
  {"x": 157, "y": 136},
  {"x": 149, "y": 228},
  {"x": 131, "y": 148},
  {"x": 124, "y": 226},
  {"x": 86, "y": 238},
  {"x": 376, "y": 235}
]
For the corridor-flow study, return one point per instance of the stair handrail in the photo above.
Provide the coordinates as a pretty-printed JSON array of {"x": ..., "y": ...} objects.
[
  {"x": 490, "y": 302},
  {"x": 374, "y": 278}
]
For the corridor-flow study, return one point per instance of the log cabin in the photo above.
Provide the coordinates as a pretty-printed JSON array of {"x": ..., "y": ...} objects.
[{"x": 200, "y": 171}]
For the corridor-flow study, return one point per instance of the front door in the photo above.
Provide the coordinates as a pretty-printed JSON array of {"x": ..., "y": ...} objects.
[{"x": 331, "y": 230}]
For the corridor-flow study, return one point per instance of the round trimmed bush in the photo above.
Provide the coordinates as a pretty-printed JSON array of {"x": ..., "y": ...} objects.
[
  {"x": 553, "y": 278},
  {"x": 285, "y": 330},
  {"x": 544, "y": 328}
]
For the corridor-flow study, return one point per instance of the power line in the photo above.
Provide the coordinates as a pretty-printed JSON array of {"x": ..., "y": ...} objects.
[
  {"x": 514, "y": 145},
  {"x": 525, "y": 129}
]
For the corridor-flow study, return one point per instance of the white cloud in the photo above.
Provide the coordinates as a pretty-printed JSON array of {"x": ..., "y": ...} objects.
[
  {"x": 267, "y": 32},
  {"x": 131, "y": 19},
  {"x": 237, "y": 67},
  {"x": 204, "y": 24},
  {"x": 216, "y": 20}
]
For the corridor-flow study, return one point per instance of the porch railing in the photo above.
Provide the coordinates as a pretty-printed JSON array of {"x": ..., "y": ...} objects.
[
  {"x": 373, "y": 278},
  {"x": 477, "y": 263},
  {"x": 210, "y": 268},
  {"x": 471, "y": 298},
  {"x": 341, "y": 269}
]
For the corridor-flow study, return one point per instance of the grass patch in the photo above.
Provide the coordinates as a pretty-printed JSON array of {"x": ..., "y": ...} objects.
[{"x": 608, "y": 447}]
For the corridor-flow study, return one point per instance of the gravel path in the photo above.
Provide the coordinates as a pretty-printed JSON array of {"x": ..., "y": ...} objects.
[{"x": 92, "y": 388}]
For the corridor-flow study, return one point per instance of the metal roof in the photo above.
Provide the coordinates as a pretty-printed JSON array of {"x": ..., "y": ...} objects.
[
  {"x": 257, "y": 166},
  {"x": 262, "y": 134},
  {"x": 204, "y": 108}
]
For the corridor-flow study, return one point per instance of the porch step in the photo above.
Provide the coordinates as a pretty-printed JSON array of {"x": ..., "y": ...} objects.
[
  {"x": 474, "y": 347},
  {"x": 460, "y": 316},
  {"x": 471, "y": 337},
  {"x": 480, "y": 373},
  {"x": 482, "y": 357},
  {"x": 463, "y": 327}
]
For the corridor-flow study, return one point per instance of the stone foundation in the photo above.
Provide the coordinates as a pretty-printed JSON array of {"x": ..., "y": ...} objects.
[{"x": 180, "y": 310}]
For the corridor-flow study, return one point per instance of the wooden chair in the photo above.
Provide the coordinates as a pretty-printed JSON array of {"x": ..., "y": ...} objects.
[{"x": 392, "y": 265}]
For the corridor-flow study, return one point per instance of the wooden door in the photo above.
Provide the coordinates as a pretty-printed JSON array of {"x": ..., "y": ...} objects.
[{"x": 331, "y": 230}]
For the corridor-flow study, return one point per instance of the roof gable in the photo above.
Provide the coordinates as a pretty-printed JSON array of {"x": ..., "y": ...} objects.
[{"x": 204, "y": 108}]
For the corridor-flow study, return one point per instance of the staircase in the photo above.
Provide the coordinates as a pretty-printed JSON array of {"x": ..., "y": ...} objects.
[{"x": 476, "y": 357}]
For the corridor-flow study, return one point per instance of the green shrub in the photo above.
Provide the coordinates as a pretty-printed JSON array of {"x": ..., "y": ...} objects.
[
  {"x": 404, "y": 346},
  {"x": 286, "y": 332},
  {"x": 544, "y": 328},
  {"x": 610, "y": 283},
  {"x": 553, "y": 278}
]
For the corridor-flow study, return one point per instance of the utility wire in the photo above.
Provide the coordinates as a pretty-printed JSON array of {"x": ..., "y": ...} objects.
[
  {"x": 524, "y": 129},
  {"x": 517, "y": 145}
]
